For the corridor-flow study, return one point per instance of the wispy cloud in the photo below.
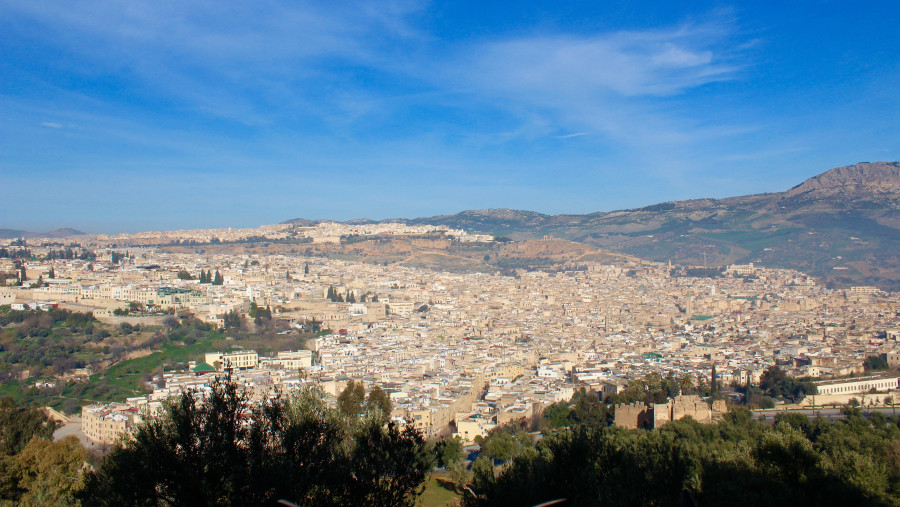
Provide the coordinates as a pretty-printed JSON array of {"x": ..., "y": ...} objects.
[
  {"x": 569, "y": 136},
  {"x": 625, "y": 85},
  {"x": 628, "y": 64},
  {"x": 227, "y": 59},
  {"x": 308, "y": 90}
]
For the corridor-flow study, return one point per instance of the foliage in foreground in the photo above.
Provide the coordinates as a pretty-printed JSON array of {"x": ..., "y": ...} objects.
[
  {"x": 33, "y": 470},
  {"x": 855, "y": 461},
  {"x": 222, "y": 451}
]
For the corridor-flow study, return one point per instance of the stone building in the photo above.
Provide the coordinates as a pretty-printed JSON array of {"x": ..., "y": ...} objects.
[{"x": 640, "y": 415}]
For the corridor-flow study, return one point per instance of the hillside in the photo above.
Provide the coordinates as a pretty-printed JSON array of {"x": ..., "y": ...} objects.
[
  {"x": 842, "y": 226},
  {"x": 55, "y": 233}
]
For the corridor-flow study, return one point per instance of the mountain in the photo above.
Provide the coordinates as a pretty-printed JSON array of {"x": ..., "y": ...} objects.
[
  {"x": 302, "y": 222},
  {"x": 842, "y": 226},
  {"x": 12, "y": 233},
  {"x": 64, "y": 232},
  {"x": 55, "y": 233},
  {"x": 494, "y": 221},
  {"x": 865, "y": 180}
]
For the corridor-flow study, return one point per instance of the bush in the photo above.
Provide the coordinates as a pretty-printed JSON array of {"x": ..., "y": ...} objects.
[{"x": 222, "y": 451}]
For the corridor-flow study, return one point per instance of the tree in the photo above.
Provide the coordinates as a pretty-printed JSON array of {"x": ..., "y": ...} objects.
[
  {"x": 776, "y": 383},
  {"x": 306, "y": 268},
  {"x": 772, "y": 380},
  {"x": 218, "y": 279},
  {"x": 459, "y": 474},
  {"x": 222, "y": 451},
  {"x": 51, "y": 473},
  {"x": 878, "y": 362},
  {"x": 350, "y": 401},
  {"x": 18, "y": 425},
  {"x": 449, "y": 451},
  {"x": 713, "y": 381},
  {"x": 389, "y": 466},
  {"x": 170, "y": 322},
  {"x": 232, "y": 320},
  {"x": 506, "y": 442},
  {"x": 483, "y": 476},
  {"x": 378, "y": 403},
  {"x": 555, "y": 416},
  {"x": 184, "y": 275},
  {"x": 735, "y": 462}
]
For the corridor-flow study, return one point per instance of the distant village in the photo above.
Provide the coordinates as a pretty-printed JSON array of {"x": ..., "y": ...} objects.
[{"x": 461, "y": 353}]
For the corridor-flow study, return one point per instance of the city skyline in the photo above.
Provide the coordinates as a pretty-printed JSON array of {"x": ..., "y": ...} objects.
[{"x": 120, "y": 117}]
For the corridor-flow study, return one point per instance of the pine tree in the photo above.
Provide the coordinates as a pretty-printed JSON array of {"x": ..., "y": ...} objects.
[{"x": 379, "y": 402}]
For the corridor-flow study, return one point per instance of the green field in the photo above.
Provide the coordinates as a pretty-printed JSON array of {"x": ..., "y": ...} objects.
[
  {"x": 438, "y": 491},
  {"x": 120, "y": 381}
]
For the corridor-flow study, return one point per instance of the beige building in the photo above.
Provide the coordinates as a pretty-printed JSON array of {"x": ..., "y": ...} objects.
[
  {"x": 470, "y": 427},
  {"x": 640, "y": 415},
  {"x": 108, "y": 424},
  {"x": 241, "y": 359},
  {"x": 859, "y": 384},
  {"x": 292, "y": 360}
]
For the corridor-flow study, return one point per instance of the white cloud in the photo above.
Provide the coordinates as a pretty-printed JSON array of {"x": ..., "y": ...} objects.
[
  {"x": 52, "y": 125},
  {"x": 222, "y": 58},
  {"x": 629, "y": 64},
  {"x": 632, "y": 87}
]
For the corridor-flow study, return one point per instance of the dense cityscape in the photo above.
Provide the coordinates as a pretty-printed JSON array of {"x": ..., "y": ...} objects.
[
  {"x": 458, "y": 355},
  {"x": 631, "y": 253},
  {"x": 466, "y": 352}
]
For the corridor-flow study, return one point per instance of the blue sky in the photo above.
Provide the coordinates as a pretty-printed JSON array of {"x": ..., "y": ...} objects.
[{"x": 129, "y": 115}]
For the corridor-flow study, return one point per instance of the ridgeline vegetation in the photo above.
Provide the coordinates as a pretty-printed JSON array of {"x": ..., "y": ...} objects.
[{"x": 738, "y": 461}]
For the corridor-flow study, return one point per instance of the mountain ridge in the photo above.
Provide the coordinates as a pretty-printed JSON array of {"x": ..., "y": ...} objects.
[
  {"x": 62, "y": 232},
  {"x": 842, "y": 225}
]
